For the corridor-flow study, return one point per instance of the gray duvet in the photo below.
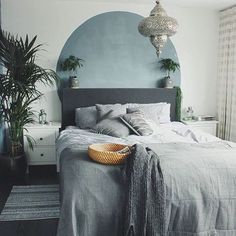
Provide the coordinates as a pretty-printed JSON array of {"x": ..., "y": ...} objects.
[{"x": 200, "y": 191}]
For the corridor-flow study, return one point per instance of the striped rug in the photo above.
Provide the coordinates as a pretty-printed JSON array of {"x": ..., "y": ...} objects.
[{"x": 32, "y": 202}]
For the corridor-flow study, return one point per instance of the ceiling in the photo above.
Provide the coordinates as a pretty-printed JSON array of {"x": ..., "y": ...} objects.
[{"x": 207, "y": 4}]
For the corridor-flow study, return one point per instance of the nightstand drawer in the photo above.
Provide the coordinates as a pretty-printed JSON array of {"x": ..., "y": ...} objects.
[
  {"x": 43, "y": 137},
  {"x": 211, "y": 129},
  {"x": 38, "y": 155}
]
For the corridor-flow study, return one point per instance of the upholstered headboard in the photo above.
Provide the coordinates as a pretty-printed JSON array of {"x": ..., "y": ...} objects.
[{"x": 74, "y": 98}]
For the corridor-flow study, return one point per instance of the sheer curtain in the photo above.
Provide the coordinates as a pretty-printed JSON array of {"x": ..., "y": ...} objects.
[
  {"x": 227, "y": 75},
  {"x": 1, "y": 123}
]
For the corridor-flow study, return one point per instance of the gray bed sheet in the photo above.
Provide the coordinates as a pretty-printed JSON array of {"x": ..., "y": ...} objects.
[
  {"x": 91, "y": 196},
  {"x": 200, "y": 184}
]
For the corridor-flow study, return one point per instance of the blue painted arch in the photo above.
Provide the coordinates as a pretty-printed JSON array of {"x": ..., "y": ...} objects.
[{"x": 115, "y": 54}]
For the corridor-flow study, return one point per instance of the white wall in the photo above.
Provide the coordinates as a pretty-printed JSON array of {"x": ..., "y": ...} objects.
[{"x": 54, "y": 20}]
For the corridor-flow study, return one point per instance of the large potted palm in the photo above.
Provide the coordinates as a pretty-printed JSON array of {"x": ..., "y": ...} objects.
[{"x": 18, "y": 90}]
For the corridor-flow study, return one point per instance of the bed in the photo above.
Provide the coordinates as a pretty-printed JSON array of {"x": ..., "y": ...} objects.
[{"x": 199, "y": 173}]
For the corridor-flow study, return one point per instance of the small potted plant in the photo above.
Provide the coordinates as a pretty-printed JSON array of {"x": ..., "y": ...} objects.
[
  {"x": 18, "y": 92},
  {"x": 71, "y": 64},
  {"x": 169, "y": 66}
]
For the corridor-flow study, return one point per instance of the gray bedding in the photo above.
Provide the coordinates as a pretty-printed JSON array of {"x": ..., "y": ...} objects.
[
  {"x": 200, "y": 191},
  {"x": 91, "y": 196}
]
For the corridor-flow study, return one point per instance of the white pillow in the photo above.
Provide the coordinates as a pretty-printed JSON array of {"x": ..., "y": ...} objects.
[{"x": 159, "y": 113}]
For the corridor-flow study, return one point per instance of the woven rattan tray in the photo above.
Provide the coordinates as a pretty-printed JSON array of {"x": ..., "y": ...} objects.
[{"x": 107, "y": 153}]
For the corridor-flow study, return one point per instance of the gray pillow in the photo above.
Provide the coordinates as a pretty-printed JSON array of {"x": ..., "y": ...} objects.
[
  {"x": 137, "y": 123},
  {"x": 86, "y": 117},
  {"x": 103, "y": 110},
  {"x": 112, "y": 125}
]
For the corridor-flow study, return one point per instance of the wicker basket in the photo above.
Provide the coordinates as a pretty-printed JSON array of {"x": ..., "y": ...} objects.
[{"x": 107, "y": 153}]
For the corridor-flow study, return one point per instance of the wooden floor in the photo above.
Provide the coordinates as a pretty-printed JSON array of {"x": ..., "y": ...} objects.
[{"x": 37, "y": 175}]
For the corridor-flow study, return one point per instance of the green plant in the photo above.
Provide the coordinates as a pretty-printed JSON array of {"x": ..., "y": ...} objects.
[
  {"x": 169, "y": 65},
  {"x": 178, "y": 103},
  {"x": 18, "y": 88},
  {"x": 71, "y": 64}
]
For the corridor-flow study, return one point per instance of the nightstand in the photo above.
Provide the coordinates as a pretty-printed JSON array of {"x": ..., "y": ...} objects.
[
  {"x": 209, "y": 127},
  {"x": 44, "y": 152}
]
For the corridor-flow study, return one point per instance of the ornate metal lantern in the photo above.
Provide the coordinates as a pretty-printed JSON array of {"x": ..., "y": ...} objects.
[{"x": 158, "y": 27}]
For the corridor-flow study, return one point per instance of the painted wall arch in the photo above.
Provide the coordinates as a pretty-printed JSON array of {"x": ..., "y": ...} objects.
[{"x": 115, "y": 54}]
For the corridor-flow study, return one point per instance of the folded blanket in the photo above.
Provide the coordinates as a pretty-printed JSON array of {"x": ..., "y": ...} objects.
[{"x": 145, "y": 194}]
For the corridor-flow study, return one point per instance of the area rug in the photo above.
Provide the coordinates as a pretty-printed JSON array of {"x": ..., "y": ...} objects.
[{"x": 32, "y": 202}]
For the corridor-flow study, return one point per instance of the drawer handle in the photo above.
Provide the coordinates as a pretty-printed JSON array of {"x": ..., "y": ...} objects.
[
  {"x": 41, "y": 155},
  {"x": 41, "y": 139}
]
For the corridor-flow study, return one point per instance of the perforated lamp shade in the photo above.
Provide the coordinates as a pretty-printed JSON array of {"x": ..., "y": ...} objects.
[{"x": 158, "y": 27}]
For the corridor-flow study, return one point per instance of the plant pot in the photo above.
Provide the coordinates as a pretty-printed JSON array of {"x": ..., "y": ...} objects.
[
  {"x": 74, "y": 82},
  {"x": 168, "y": 82},
  {"x": 13, "y": 167}
]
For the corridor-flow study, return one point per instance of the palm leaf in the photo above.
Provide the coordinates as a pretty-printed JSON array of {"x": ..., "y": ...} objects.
[
  {"x": 18, "y": 84},
  {"x": 30, "y": 141}
]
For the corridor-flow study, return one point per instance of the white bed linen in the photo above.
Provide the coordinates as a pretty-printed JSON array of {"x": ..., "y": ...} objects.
[{"x": 172, "y": 132}]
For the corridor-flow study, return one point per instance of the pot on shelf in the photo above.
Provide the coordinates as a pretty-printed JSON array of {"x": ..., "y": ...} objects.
[
  {"x": 74, "y": 82},
  {"x": 13, "y": 167},
  {"x": 168, "y": 82}
]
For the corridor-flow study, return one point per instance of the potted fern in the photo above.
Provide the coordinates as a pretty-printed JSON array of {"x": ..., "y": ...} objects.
[
  {"x": 72, "y": 64},
  {"x": 169, "y": 66},
  {"x": 18, "y": 92}
]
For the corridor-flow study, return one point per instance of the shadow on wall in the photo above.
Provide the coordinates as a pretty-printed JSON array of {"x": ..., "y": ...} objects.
[{"x": 115, "y": 54}]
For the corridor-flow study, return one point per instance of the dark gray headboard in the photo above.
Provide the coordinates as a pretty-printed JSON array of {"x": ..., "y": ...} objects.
[{"x": 74, "y": 98}]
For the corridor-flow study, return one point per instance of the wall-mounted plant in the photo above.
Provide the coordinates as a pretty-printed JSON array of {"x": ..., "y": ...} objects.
[
  {"x": 72, "y": 64},
  {"x": 169, "y": 66}
]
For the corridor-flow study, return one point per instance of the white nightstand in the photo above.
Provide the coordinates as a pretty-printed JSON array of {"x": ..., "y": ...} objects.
[
  {"x": 44, "y": 152},
  {"x": 209, "y": 127}
]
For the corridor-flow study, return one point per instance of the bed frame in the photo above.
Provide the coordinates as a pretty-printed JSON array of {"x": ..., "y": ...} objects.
[{"x": 74, "y": 98}]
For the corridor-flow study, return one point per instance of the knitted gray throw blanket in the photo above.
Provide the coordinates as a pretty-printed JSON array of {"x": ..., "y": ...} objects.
[{"x": 145, "y": 194}]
